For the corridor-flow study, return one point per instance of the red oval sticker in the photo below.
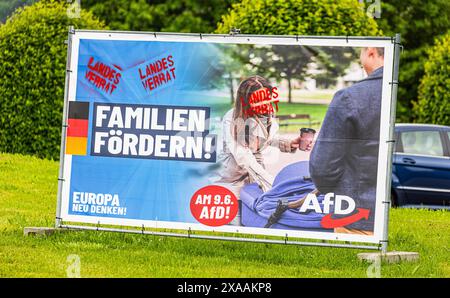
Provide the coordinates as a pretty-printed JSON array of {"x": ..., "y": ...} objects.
[{"x": 214, "y": 205}]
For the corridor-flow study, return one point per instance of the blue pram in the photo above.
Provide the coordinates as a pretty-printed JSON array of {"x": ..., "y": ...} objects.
[{"x": 289, "y": 185}]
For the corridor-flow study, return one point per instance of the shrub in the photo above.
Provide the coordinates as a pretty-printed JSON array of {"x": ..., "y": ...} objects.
[
  {"x": 302, "y": 17},
  {"x": 32, "y": 76},
  {"x": 160, "y": 15},
  {"x": 419, "y": 22},
  {"x": 433, "y": 105}
]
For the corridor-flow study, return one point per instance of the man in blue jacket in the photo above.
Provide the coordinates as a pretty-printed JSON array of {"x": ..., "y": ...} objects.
[{"x": 344, "y": 159}]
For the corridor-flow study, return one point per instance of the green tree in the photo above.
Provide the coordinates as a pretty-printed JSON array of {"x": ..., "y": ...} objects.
[
  {"x": 199, "y": 16},
  {"x": 8, "y": 6},
  {"x": 281, "y": 62},
  {"x": 229, "y": 66},
  {"x": 132, "y": 15},
  {"x": 419, "y": 22},
  {"x": 32, "y": 72},
  {"x": 278, "y": 62},
  {"x": 302, "y": 17},
  {"x": 299, "y": 17},
  {"x": 433, "y": 105}
]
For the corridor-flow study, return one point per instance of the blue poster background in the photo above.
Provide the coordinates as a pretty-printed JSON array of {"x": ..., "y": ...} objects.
[{"x": 148, "y": 189}]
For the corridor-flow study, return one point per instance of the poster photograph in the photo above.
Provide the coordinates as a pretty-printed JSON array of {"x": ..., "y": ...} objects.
[{"x": 262, "y": 135}]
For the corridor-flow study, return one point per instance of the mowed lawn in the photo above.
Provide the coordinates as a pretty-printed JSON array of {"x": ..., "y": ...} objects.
[{"x": 28, "y": 189}]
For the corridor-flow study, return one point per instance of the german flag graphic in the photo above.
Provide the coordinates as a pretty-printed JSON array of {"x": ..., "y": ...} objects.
[{"x": 77, "y": 132}]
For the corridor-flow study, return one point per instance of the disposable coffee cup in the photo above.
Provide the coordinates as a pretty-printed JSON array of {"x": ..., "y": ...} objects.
[{"x": 306, "y": 138}]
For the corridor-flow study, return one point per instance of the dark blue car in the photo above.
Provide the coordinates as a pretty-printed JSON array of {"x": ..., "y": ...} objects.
[{"x": 421, "y": 168}]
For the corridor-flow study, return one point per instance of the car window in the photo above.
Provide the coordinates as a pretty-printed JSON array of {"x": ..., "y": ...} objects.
[{"x": 422, "y": 142}]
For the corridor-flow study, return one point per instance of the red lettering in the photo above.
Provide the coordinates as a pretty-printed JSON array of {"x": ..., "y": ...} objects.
[
  {"x": 118, "y": 76},
  {"x": 162, "y": 78},
  {"x": 91, "y": 60},
  {"x": 153, "y": 69},
  {"x": 102, "y": 82},
  {"x": 169, "y": 58},
  {"x": 164, "y": 63},
  {"x": 158, "y": 66},
  {"x": 150, "y": 83},
  {"x": 103, "y": 76},
  {"x": 88, "y": 75},
  {"x": 274, "y": 93},
  {"x": 276, "y": 104},
  {"x": 140, "y": 74},
  {"x": 101, "y": 69},
  {"x": 157, "y": 73},
  {"x": 107, "y": 87},
  {"x": 156, "y": 80},
  {"x": 261, "y": 102},
  {"x": 113, "y": 87}
]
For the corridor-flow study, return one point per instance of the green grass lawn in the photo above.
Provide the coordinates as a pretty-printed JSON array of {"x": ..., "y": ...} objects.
[
  {"x": 28, "y": 189},
  {"x": 316, "y": 112},
  {"x": 298, "y": 94}
]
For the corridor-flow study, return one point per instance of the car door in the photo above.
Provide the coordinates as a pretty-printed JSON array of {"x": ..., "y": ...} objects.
[{"x": 422, "y": 164}]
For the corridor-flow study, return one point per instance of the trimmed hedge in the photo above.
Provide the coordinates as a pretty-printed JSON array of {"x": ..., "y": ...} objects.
[
  {"x": 32, "y": 76},
  {"x": 433, "y": 105},
  {"x": 302, "y": 17}
]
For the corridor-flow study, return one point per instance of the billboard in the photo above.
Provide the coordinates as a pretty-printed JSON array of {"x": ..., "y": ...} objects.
[{"x": 263, "y": 135}]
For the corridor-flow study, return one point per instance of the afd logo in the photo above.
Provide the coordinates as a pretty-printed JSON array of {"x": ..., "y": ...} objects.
[{"x": 342, "y": 205}]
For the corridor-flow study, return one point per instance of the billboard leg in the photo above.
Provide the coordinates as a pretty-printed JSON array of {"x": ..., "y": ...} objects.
[
  {"x": 38, "y": 231},
  {"x": 384, "y": 247},
  {"x": 389, "y": 257},
  {"x": 391, "y": 142},
  {"x": 58, "y": 221}
]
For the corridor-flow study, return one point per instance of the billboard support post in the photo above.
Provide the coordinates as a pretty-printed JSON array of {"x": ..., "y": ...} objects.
[
  {"x": 391, "y": 142},
  {"x": 64, "y": 126}
]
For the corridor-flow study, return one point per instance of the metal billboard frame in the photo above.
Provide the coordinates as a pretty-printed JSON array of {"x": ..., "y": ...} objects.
[{"x": 382, "y": 245}]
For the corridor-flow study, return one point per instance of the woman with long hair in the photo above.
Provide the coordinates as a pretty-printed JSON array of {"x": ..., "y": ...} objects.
[{"x": 247, "y": 130}]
